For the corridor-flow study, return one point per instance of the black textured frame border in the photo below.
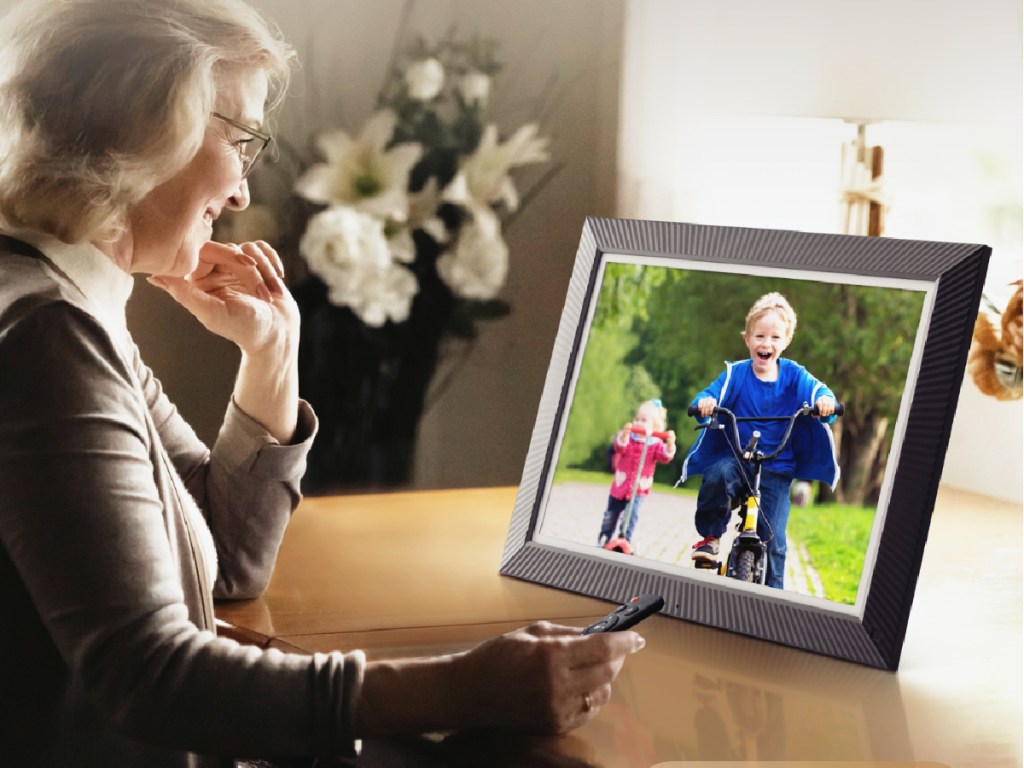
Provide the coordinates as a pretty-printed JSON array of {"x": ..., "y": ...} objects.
[{"x": 876, "y": 639}]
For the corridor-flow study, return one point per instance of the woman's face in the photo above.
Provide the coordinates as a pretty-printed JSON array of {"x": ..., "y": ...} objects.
[{"x": 175, "y": 220}]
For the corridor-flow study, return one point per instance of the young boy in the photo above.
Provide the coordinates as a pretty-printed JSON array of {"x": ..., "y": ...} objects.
[{"x": 764, "y": 385}]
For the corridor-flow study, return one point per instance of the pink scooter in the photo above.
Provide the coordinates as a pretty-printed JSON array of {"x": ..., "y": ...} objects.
[{"x": 621, "y": 544}]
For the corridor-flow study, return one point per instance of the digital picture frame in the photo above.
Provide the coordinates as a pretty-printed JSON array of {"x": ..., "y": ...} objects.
[{"x": 654, "y": 309}]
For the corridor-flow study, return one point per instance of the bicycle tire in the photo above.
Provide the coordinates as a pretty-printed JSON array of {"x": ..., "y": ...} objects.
[{"x": 745, "y": 565}]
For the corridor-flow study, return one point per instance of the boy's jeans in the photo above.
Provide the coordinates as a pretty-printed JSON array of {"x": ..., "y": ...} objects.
[
  {"x": 616, "y": 508},
  {"x": 721, "y": 483}
]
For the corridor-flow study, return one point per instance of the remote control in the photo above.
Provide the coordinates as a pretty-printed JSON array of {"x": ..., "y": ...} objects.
[{"x": 627, "y": 615}]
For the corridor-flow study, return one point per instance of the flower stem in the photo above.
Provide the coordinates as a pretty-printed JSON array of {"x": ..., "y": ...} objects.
[{"x": 396, "y": 51}]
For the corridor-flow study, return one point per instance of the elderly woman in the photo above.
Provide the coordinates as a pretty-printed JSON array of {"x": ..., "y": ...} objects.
[{"x": 126, "y": 128}]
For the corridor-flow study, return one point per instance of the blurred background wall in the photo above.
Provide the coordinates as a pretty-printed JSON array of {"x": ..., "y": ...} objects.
[
  {"x": 722, "y": 113},
  {"x": 754, "y": 101},
  {"x": 561, "y": 67}
]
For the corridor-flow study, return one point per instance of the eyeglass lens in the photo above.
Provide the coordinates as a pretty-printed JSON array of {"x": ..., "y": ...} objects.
[{"x": 250, "y": 150}]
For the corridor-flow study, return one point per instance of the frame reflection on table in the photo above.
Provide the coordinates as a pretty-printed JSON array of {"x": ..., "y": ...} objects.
[{"x": 410, "y": 574}]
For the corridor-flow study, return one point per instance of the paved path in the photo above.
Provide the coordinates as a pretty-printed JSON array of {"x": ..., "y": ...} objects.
[{"x": 665, "y": 531}]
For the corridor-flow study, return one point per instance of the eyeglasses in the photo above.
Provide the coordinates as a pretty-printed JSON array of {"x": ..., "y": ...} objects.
[{"x": 248, "y": 155}]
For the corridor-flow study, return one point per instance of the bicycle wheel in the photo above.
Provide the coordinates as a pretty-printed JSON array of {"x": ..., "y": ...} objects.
[{"x": 745, "y": 565}]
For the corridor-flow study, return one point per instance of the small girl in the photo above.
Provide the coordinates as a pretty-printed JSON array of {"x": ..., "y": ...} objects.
[{"x": 651, "y": 417}]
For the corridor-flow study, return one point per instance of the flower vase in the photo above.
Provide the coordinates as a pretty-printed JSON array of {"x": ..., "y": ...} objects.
[{"x": 368, "y": 385}]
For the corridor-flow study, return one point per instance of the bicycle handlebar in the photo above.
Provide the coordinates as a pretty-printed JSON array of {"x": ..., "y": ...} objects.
[
  {"x": 807, "y": 410},
  {"x": 804, "y": 410}
]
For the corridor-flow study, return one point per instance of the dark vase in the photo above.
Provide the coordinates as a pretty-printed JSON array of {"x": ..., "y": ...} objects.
[{"x": 368, "y": 385}]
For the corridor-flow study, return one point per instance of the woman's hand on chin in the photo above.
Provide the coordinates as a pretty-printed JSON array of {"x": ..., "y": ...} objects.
[{"x": 237, "y": 292}]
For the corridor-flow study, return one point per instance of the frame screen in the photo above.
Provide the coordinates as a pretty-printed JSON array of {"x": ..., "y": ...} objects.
[{"x": 657, "y": 310}]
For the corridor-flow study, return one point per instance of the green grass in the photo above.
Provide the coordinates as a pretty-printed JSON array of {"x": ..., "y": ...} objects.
[
  {"x": 836, "y": 537},
  {"x": 582, "y": 476}
]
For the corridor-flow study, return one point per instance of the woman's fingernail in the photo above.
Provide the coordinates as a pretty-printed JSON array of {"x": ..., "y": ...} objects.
[{"x": 640, "y": 643}]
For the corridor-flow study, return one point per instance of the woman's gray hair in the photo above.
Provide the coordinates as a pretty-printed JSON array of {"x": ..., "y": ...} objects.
[{"x": 103, "y": 100}]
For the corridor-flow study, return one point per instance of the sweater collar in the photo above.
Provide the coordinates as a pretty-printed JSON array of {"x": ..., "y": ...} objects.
[{"x": 105, "y": 286}]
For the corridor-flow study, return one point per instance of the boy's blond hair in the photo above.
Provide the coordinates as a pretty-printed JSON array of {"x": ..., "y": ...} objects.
[{"x": 773, "y": 302}]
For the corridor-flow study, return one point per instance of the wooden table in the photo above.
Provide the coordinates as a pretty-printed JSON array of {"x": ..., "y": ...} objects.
[{"x": 416, "y": 573}]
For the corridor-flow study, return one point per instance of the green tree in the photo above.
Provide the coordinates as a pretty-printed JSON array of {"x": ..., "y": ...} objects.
[
  {"x": 858, "y": 339},
  {"x": 862, "y": 338},
  {"x": 606, "y": 396},
  {"x": 609, "y": 388},
  {"x": 626, "y": 290}
]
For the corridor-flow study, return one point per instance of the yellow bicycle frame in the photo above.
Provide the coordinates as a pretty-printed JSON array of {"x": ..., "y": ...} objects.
[{"x": 750, "y": 520}]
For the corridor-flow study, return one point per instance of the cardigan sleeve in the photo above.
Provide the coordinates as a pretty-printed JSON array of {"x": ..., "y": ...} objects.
[
  {"x": 247, "y": 487},
  {"x": 82, "y": 522}
]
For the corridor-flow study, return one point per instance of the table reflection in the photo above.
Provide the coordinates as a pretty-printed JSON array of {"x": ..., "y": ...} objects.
[{"x": 699, "y": 694}]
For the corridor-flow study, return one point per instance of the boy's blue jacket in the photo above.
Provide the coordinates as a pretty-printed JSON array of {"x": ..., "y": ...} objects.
[{"x": 813, "y": 447}]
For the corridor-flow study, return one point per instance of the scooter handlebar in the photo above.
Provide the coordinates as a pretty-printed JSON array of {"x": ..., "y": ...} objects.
[{"x": 642, "y": 431}]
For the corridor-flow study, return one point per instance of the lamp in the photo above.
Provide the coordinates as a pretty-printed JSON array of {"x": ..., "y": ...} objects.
[
  {"x": 862, "y": 200},
  {"x": 860, "y": 61}
]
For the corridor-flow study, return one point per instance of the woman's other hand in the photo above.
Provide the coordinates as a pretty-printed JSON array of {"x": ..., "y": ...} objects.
[
  {"x": 547, "y": 678},
  {"x": 543, "y": 678},
  {"x": 237, "y": 292}
]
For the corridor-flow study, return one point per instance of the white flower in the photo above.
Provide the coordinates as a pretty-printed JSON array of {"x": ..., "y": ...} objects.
[
  {"x": 362, "y": 173},
  {"x": 340, "y": 243},
  {"x": 423, "y": 211},
  {"x": 379, "y": 295},
  {"x": 475, "y": 88},
  {"x": 484, "y": 177},
  {"x": 436, "y": 229},
  {"x": 424, "y": 79},
  {"x": 347, "y": 249},
  {"x": 402, "y": 246},
  {"x": 339, "y": 236},
  {"x": 478, "y": 265}
]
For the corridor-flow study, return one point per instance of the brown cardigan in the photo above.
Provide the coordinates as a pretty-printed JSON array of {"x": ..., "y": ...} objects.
[{"x": 108, "y": 501}]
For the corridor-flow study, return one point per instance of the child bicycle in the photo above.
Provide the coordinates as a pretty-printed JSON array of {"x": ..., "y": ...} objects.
[{"x": 748, "y": 555}]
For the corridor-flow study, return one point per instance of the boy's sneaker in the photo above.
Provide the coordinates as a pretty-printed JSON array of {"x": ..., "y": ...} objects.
[{"x": 706, "y": 549}]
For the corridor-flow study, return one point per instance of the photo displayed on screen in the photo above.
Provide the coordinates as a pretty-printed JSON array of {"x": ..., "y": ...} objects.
[{"x": 635, "y": 476}]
